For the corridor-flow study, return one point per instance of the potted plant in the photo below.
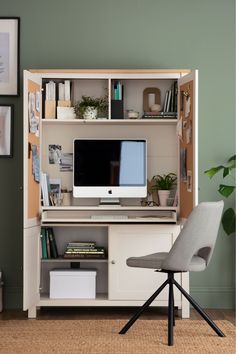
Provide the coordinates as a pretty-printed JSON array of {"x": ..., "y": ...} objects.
[
  {"x": 89, "y": 107},
  {"x": 163, "y": 184},
  {"x": 229, "y": 216}
]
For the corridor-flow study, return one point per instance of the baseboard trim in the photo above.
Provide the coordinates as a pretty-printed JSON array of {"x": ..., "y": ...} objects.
[{"x": 214, "y": 296}]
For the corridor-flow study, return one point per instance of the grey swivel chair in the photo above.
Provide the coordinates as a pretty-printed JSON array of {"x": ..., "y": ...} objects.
[{"x": 191, "y": 252}]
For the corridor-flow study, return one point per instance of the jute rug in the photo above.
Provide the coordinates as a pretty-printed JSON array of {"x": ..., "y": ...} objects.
[{"x": 101, "y": 337}]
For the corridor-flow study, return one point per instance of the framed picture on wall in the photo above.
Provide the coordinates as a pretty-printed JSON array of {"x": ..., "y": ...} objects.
[
  {"x": 6, "y": 130},
  {"x": 9, "y": 56}
]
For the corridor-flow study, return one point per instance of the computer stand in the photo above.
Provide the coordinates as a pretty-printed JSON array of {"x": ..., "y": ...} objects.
[{"x": 112, "y": 202}]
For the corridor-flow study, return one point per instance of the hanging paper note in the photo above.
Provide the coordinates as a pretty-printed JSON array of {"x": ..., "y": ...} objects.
[
  {"x": 35, "y": 163},
  {"x": 179, "y": 128},
  {"x": 187, "y": 106}
]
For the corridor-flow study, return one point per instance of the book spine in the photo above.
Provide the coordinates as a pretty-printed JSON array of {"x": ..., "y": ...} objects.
[
  {"x": 48, "y": 244},
  {"x": 44, "y": 244},
  {"x": 52, "y": 242},
  {"x": 168, "y": 101}
]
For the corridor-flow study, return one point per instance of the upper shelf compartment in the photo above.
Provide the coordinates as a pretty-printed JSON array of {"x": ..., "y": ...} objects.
[
  {"x": 117, "y": 100},
  {"x": 68, "y": 99}
]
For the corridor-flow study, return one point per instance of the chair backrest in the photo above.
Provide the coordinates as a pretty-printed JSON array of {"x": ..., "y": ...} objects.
[{"x": 197, "y": 237}]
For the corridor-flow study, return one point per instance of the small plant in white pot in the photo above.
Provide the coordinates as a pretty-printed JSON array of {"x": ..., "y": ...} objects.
[
  {"x": 163, "y": 184},
  {"x": 90, "y": 107}
]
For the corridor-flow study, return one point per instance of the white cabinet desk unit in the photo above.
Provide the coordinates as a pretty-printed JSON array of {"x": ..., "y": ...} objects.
[{"x": 171, "y": 147}]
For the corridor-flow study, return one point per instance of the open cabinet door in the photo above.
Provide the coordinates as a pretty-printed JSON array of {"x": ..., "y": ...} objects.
[
  {"x": 188, "y": 142},
  {"x": 31, "y": 138}
]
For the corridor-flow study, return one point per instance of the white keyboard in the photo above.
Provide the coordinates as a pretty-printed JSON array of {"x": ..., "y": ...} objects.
[{"x": 109, "y": 217}]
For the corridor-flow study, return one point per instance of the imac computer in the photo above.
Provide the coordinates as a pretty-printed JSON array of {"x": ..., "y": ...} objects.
[{"x": 109, "y": 169}]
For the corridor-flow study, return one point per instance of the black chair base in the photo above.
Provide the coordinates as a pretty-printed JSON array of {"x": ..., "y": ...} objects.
[{"x": 171, "y": 321}]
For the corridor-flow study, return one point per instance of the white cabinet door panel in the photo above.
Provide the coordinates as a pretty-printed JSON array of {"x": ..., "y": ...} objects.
[
  {"x": 31, "y": 275},
  {"x": 125, "y": 241}
]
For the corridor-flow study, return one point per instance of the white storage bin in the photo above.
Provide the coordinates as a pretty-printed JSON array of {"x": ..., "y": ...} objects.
[
  {"x": 73, "y": 284},
  {"x": 65, "y": 113}
]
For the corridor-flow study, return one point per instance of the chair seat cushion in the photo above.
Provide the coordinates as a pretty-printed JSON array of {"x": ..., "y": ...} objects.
[{"x": 155, "y": 260}]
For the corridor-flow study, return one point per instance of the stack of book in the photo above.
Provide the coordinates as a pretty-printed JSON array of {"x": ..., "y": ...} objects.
[
  {"x": 48, "y": 243},
  {"x": 87, "y": 250},
  {"x": 164, "y": 115}
]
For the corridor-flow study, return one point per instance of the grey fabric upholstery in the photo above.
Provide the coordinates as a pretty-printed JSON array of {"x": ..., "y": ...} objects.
[
  {"x": 194, "y": 246},
  {"x": 155, "y": 261}
]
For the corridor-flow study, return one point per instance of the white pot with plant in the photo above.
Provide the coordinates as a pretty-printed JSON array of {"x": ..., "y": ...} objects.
[
  {"x": 163, "y": 185},
  {"x": 90, "y": 107}
]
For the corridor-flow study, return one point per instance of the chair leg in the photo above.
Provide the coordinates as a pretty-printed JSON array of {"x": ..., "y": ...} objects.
[
  {"x": 143, "y": 308},
  {"x": 200, "y": 310},
  {"x": 173, "y": 309},
  {"x": 170, "y": 311}
]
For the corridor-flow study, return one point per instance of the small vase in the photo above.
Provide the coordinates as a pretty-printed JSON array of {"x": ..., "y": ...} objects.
[
  {"x": 67, "y": 199},
  {"x": 163, "y": 196},
  {"x": 90, "y": 113}
]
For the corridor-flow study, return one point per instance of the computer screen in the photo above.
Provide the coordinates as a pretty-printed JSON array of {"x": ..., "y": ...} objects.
[{"x": 110, "y": 167}]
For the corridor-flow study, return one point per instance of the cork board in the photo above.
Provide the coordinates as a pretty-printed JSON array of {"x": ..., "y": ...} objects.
[
  {"x": 33, "y": 186},
  {"x": 186, "y": 114}
]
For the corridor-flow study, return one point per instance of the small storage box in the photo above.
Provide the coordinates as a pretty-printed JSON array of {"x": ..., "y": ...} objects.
[{"x": 73, "y": 284}]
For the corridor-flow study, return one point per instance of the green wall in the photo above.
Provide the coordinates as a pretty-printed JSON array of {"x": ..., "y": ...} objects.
[{"x": 130, "y": 34}]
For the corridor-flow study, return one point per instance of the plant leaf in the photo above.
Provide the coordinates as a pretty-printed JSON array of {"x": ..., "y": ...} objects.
[
  {"x": 225, "y": 172},
  {"x": 232, "y": 165},
  {"x": 226, "y": 190},
  {"x": 232, "y": 158},
  {"x": 212, "y": 171},
  {"x": 229, "y": 221}
]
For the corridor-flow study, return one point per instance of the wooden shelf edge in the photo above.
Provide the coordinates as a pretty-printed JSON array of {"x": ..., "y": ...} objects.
[
  {"x": 72, "y": 260},
  {"x": 107, "y": 208},
  {"x": 110, "y": 121},
  {"x": 110, "y": 71}
]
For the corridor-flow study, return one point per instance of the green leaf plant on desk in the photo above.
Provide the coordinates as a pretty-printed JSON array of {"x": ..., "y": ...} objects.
[
  {"x": 229, "y": 216},
  {"x": 163, "y": 184}
]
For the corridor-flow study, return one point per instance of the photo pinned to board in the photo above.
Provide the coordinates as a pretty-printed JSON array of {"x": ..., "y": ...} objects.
[
  {"x": 189, "y": 181},
  {"x": 66, "y": 164},
  {"x": 189, "y": 133},
  {"x": 33, "y": 118},
  {"x": 54, "y": 154},
  {"x": 187, "y": 106},
  {"x": 183, "y": 165},
  {"x": 179, "y": 128},
  {"x": 37, "y": 103},
  {"x": 35, "y": 162}
]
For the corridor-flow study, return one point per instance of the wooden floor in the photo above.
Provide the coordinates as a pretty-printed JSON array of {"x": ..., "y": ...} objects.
[{"x": 86, "y": 313}]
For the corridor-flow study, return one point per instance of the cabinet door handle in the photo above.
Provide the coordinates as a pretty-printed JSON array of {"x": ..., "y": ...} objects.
[{"x": 113, "y": 262}]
